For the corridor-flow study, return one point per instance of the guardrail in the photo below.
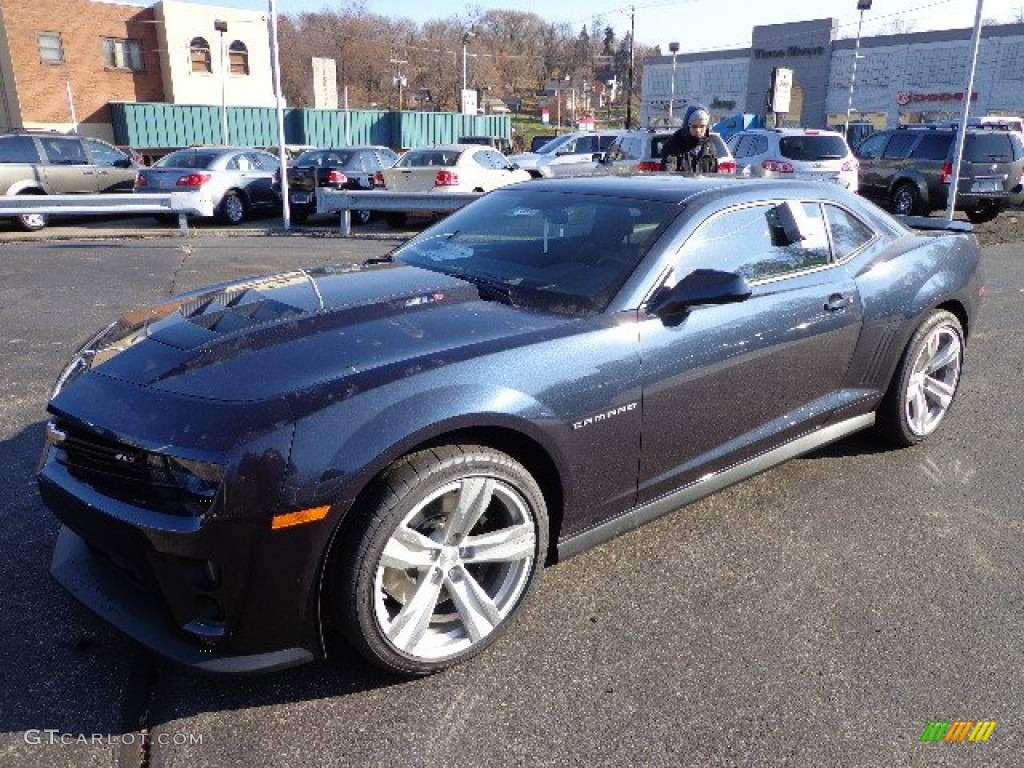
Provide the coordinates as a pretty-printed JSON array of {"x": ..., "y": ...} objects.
[
  {"x": 112, "y": 204},
  {"x": 345, "y": 201}
]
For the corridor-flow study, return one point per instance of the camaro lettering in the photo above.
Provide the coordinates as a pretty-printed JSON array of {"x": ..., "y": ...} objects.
[{"x": 603, "y": 416}]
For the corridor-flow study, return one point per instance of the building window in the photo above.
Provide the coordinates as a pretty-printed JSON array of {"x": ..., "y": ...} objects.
[
  {"x": 238, "y": 56},
  {"x": 199, "y": 55},
  {"x": 123, "y": 54},
  {"x": 51, "y": 51}
]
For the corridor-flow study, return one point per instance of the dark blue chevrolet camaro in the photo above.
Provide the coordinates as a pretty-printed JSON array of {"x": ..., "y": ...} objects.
[{"x": 395, "y": 450}]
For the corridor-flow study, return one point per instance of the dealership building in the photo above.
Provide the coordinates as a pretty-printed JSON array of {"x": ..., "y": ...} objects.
[{"x": 900, "y": 79}]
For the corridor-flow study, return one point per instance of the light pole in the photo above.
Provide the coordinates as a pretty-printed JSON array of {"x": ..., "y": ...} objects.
[
  {"x": 862, "y": 5},
  {"x": 465, "y": 41},
  {"x": 221, "y": 26},
  {"x": 629, "y": 85},
  {"x": 674, "y": 48}
]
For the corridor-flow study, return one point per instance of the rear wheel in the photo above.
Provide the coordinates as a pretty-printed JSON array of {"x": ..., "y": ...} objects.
[
  {"x": 986, "y": 213},
  {"x": 232, "y": 208},
  {"x": 361, "y": 218},
  {"x": 451, "y": 546},
  {"x": 396, "y": 220},
  {"x": 926, "y": 381},
  {"x": 906, "y": 200}
]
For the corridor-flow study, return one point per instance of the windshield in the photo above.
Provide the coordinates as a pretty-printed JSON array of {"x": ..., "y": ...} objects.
[
  {"x": 187, "y": 158},
  {"x": 811, "y": 147},
  {"x": 555, "y": 251},
  {"x": 321, "y": 158},
  {"x": 422, "y": 158},
  {"x": 556, "y": 144}
]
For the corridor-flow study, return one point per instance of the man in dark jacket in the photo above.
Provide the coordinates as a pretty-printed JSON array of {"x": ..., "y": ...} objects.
[{"x": 689, "y": 150}]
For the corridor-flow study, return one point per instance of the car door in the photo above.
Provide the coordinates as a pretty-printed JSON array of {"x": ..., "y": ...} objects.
[
  {"x": 723, "y": 383},
  {"x": 68, "y": 170},
  {"x": 113, "y": 170},
  {"x": 256, "y": 170}
]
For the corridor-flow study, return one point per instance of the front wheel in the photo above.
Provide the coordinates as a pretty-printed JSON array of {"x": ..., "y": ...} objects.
[
  {"x": 926, "y": 381},
  {"x": 451, "y": 545},
  {"x": 361, "y": 218}
]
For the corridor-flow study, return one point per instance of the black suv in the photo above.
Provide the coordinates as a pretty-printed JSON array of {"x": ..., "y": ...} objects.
[{"x": 910, "y": 169}]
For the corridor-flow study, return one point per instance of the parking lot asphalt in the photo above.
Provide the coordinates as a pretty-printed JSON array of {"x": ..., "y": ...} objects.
[{"x": 820, "y": 614}]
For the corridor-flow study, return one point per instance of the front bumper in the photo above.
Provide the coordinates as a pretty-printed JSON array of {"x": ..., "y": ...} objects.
[{"x": 131, "y": 609}]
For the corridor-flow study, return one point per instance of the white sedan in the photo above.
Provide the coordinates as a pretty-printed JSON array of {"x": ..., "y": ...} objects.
[{"x": 448, "y": 169}]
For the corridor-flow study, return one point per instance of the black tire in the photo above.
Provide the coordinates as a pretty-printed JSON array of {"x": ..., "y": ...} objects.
[
  {"x": 232, "y": 209},
  {"x": 166, "y": 218},
  {"x": 447, "y": 591},
  {"x": 396, "y": 220},
  {"x": 361, "y": 218},
  {"x": 32, "y": 222},
  {"x": 906, "y": 200},
  {"x": 986, "y": 213},
  {"x": 925, "y": 383},
  {"x": 299, "y": 216}
]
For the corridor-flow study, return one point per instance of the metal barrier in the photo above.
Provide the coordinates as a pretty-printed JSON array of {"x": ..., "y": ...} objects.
[
  {"x": 345, "y": 201},
  {"x": 113, "y": 204}
]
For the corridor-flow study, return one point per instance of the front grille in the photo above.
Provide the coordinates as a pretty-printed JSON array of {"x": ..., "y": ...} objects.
[{"x": 124, "y": 472}]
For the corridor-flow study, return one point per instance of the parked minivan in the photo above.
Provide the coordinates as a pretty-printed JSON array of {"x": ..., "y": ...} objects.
[{"x": 910, "y": 169}]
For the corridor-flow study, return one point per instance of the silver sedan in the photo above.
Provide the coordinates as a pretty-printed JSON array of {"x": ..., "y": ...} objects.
[{"x": 229, "y": 183}]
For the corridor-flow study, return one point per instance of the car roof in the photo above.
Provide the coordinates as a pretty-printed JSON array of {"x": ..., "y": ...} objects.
[
  {"x": 792, "y": 131},
  {"x": 675, "y": 188}
]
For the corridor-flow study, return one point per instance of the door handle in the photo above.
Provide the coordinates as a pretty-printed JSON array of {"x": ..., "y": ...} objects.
[{"x": 837, "y": 302}]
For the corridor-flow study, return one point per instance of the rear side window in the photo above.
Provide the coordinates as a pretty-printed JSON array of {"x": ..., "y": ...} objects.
[
  {"x": 987, "y": 148},
  {"x": 813, "y": 147},
  {"x": 932, "y": 147},
  {"x": 18, "y": 149},
  {"x": 848, "y": 232},
  {"x": 899, "y": 145}
]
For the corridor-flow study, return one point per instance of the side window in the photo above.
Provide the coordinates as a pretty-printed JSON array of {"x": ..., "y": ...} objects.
[
  {"x": 900, "y": 144},
  {"x": 872, "y": 146},
  {"x": 18, "y": 149},
  {"x": 232, "y": 164},
  {"x": 751, "y": 241},
  {"x": 604, "y": 142},
  {"x": 741, "y": 148},
  {"x": 932, "y": 147},
  {"x": 104, "y": 154},
  {"x": 63, "y": 151},
  {"x": 848, "y": 232},
  {"x": 760, "y": 145}
]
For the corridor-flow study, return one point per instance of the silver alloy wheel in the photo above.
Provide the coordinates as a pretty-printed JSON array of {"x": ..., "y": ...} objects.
[
  {"x": 454, "y": 568},
  {"x": 933, "y": 380}
]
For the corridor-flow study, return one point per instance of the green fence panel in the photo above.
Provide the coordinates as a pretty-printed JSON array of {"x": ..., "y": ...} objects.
[{"x": 168, "y": 126}]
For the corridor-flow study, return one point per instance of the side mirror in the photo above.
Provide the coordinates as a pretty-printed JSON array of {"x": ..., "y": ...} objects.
[
  {"x": 702, "y": 286},
  {"x": 598, "y": 157}
]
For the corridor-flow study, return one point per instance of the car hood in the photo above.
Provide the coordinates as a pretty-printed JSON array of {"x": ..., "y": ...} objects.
[{"x": 280, "y": 335}]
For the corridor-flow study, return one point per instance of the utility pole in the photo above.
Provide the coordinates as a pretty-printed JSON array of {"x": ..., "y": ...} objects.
[{"x": 629, "y": 84}]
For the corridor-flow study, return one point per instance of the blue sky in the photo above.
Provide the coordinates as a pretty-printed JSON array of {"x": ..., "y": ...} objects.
[{"x": 695, "y": 24}]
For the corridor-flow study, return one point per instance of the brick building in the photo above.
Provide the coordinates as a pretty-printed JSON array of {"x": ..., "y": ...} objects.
[{"x": 63, "y": 61}]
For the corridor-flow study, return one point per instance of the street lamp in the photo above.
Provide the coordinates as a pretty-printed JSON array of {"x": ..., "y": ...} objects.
[
  {"x": 465, "y": 41},
  {"x": 219, "y": 25},
  {"x": 862, "y": 5},
  {"x": 674, "y": 48}
]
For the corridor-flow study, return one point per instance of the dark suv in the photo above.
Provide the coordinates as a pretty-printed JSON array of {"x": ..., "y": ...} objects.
[{"x": 910, "y": 169}]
